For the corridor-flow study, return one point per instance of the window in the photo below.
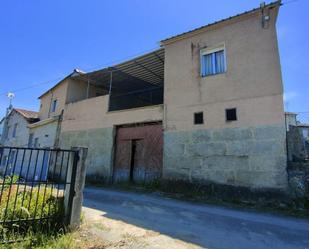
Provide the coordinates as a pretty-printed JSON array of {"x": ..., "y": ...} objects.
[
  {"x": 36, "y": 142},
  {"x": 6, "y": 132},
  {"x": 213, "y": 61},
  {"x": 30, "y": 140},
  {"x": 231, "y": 114},
  {"x": 14, "y": 130},
  {"x": 54, "y": 105},
  {"x": 198, "y": 118}
]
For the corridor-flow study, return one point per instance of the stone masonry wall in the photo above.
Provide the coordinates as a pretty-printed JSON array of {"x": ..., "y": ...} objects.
[
  {"x": 252, "y": 157},
  {"x": 100, "y": 148}
]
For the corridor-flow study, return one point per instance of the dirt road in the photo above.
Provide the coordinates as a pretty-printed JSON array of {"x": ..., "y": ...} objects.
[{"x": 131, "y": 220}]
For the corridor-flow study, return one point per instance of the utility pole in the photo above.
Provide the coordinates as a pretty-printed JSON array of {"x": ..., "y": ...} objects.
[{"x": 4, "y": 135}]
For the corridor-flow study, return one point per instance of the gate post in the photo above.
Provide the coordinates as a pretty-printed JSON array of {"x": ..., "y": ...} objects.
[{"x": 76, "y": 175}]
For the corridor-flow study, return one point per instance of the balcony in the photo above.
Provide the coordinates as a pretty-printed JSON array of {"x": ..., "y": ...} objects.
[{"x": 135, "y": 83}]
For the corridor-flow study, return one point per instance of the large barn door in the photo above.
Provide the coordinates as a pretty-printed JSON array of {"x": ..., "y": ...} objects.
[{"x": 139, "y": 153}]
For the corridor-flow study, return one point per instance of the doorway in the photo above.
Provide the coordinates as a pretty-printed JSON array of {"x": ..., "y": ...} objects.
[{"x": 139, "y": 153}]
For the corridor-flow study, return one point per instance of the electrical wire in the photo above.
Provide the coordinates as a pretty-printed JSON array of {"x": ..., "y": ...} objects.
[{"x": 88, "y": 69}]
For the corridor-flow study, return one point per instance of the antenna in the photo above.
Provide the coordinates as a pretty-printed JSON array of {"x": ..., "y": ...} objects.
[{"x": 11, "y": 96}]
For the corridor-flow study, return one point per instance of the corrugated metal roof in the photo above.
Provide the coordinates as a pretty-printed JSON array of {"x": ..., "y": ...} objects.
[
  {"x": 143, "y": 71},
  {"x": 220, "y": 21}
]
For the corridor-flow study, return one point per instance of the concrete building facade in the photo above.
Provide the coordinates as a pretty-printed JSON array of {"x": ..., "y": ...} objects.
[
  {"x": 16, "y": 131},
  {"x": 206, "y": 107},
  {"x": 248, "y": 150}
]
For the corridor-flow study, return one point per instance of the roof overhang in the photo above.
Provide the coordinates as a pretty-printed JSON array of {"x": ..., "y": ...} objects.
[
  {"x": 141, "y": 72},
  {"x": 218, "y": 24},
  {"x": 43, "y": 122},
  {"x": 74, "y": 73}
]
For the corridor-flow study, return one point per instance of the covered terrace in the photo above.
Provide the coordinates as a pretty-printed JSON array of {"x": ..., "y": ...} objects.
[{"x": 137, "y": 82}]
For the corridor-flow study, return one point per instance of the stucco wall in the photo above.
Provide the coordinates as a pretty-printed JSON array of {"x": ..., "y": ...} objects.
[
  {"x": 45, "y": 133},
  {"x": 247, "y": 152},
  {"x": 22, "y": 131},
  {"x": 87, "y": 123},
  {"x": 100, "y": 148},
  {"x": 58, "y": 93},
  {"x": 92, "y": 114},
  {"x": 77, "y": 90}
]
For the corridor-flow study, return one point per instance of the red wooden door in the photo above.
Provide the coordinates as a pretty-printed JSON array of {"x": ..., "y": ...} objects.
[{"x": 139, "y": 153}]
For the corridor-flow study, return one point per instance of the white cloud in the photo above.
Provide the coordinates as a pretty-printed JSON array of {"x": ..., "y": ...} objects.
[
  {"x": 288, "y": 96},
  {"x": 282, "y": 32}
]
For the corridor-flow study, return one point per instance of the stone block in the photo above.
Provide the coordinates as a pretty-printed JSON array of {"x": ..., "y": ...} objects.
[
  {"x": 232, "y": 134},
  {"x": 223, "y": 177},
  {"x": 269, "y": 132},
  {"x": 262, "y": 179},
  {"x": 177, "y": 137},
  {"x": 238, "y": 148},
  {"x": 176, "y": 174},
  {"x": 206, "y": 149},
  {"x": 226, "y": 163},
  {"x": 269, "y": 147},
  {"x": 181, "y": 162},
  {"x": 174, "y": 150},
  {"x": 266, "y": 162},
  {"x": 201, "y": 136}
]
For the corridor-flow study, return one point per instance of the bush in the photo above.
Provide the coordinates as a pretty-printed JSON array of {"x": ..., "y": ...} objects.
[{"x": 25, "y": 209}]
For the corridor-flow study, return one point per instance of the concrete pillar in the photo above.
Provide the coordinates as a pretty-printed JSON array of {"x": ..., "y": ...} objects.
[{"x": 74, "y": 197}]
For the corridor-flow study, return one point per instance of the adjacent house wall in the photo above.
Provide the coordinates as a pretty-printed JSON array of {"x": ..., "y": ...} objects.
[
  {"x": 22, "y": 131},
  {"x": 87, "y": 123},
  {"x": 60, "y": 94},
  {"x": 248, "y": 152},
  {"x": 78, "y": 90},
  {"x": 45, "y": 132}
]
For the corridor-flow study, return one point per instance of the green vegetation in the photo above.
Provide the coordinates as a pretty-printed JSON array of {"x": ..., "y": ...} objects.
[{"x": 29, "y": 208}]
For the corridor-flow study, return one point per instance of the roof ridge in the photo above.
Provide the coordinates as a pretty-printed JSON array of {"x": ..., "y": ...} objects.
[{"x": 277, "y": 2}]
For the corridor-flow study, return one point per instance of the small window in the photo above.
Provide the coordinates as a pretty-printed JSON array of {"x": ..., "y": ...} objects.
[
  {"x": 30, "y": 140},
  {"x": 6, "y": 135},
  {"x": 14, "y": 130},
  {"x": 198, "y": 118},
  {"x": 231, "y": 114},
  {"x": 54, "y": 105},
  {"x": 213, "y": 61},
  {"x": 36, "y": 142}
]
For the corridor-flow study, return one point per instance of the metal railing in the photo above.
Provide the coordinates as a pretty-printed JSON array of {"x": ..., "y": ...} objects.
[
  {"x": 137, "y": 98},
  {"x": 36, "y": 190}
]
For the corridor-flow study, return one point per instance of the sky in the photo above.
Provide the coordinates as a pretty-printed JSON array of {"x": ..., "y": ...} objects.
[{"x": 42, "y": 41}]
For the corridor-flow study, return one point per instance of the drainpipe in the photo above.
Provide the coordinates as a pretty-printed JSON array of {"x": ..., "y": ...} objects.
[
  {"x": 110, "y": 89},
  {"x": 50, "y": 103},
  {"x": 88, "y": 85},
  {"x": 58, "y": 130}
]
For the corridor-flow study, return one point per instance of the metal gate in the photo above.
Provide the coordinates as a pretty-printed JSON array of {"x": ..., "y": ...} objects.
[{"x": 36, "y": 190}]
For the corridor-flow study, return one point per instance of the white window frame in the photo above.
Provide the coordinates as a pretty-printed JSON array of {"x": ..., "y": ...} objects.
[
  {"x": 54, "y": 105},
  {"x": 211, "y": 50},
  {"x": 30, "y": 140}
]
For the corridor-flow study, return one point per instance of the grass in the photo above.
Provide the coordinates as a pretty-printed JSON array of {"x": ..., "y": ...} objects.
[{"x": 22, "y": 204}]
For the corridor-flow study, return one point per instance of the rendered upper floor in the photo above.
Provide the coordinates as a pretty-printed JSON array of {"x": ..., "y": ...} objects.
[{"x": 233, "y": 61}]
